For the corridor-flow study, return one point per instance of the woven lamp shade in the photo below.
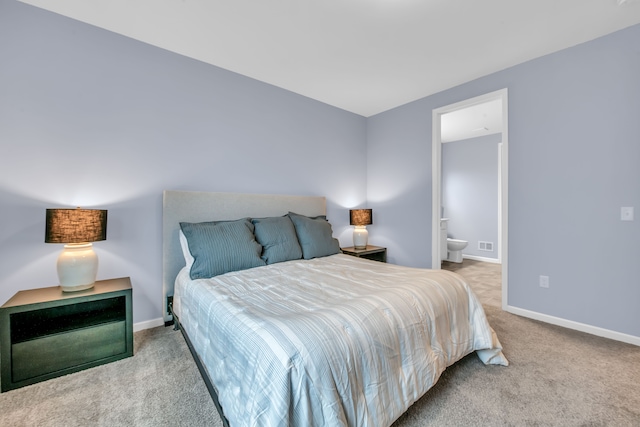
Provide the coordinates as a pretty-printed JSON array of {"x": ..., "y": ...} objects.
[
  {"x": 360, "y": 217},
  {"x": 75, "y": 225}
]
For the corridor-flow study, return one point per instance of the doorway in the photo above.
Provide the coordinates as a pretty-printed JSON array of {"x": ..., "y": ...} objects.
[{"x": 437, "y": 140}]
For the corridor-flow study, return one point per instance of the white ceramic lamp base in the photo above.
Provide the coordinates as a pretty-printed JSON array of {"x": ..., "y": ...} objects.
[
  {"x": 360, "y": 237},
  {"x": 77, "y": 267}
]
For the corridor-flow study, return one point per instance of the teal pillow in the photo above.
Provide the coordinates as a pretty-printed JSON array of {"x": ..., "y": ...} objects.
[
  {"x": 315, "y": 236},
  {"x": 278, "y": 239},
  {"x": 219, "y": 247}
]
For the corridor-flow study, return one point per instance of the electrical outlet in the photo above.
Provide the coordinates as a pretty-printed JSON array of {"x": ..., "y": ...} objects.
[
  {"x": 544, "y": 281},
  {"x": 626, "y": 213}
]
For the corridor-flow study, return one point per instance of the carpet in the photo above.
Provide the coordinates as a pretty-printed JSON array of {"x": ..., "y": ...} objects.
[{"x": 557, "y": 377}]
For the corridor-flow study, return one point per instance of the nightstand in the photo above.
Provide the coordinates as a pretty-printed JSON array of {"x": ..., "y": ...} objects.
[
  {"x": 375, "y": 253},
  {"x": 46, "y": 333}
]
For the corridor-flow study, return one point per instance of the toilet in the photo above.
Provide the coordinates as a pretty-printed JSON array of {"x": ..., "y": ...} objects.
[
  {"x": 450, "y": 249},
  {"x": 454, "y": 249}
]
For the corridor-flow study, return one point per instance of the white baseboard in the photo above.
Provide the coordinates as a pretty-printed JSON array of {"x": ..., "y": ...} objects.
[
  {"x": 593, "y": 330},
  {"x": 154, "y": 323},
  {"x": 480, "y": 258}
]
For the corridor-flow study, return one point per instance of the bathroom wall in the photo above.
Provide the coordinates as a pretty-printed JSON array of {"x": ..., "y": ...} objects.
[{"x": 470, "y": 192}]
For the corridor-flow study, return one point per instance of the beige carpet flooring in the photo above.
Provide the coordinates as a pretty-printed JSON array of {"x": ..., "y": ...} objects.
[{"x": 484, "y": 278}]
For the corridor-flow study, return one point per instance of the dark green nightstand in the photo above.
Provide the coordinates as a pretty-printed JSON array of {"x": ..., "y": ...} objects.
[
  {"x": 375, "y": 253},
  {"x": 46, "y": 333}
]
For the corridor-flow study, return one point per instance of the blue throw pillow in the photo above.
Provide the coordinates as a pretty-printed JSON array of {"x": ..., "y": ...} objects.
[
  {"x": 219, "y": 247},
  {"x": 315, "y": 236},
  {"x": 278, "y": 239}
]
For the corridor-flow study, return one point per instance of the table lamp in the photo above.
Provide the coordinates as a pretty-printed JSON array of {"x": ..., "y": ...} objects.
[
  {"x": 77, "y": 228},
  {"x": 360, "y": 218}
]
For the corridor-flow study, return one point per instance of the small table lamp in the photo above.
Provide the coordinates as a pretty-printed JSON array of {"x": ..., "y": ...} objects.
[
  {"x": 77, "y": 228},
  {"x": 360, "y": 218}
]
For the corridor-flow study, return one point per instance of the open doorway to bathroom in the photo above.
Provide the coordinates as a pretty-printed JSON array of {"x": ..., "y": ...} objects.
[{"x": 470, "y": 173}]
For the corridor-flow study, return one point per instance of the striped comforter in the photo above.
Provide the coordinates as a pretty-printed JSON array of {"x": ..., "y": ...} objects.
[{"x": 332, "y": 341}]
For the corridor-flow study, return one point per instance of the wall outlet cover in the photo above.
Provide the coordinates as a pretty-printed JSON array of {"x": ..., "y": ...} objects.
[
  {"x": 626, "y": 213},
  {"x": 544, "y": 281}
]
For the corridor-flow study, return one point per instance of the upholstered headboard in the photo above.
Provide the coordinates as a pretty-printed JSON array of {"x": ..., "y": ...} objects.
[{"x": 195, "y": 206}]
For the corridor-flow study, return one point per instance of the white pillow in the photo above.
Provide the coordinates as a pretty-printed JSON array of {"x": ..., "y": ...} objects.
[{"x": 188, "y": 258}]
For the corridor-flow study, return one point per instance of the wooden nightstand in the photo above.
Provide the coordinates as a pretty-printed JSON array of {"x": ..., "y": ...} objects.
[
  {"x": 375, "y": 253},
  {"x": 46, "y": 333}
]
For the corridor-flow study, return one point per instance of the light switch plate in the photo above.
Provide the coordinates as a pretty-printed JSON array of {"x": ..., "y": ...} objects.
[{"x": 626, "y": 214}]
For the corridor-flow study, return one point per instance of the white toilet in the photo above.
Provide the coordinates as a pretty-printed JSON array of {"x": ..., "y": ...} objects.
[
  {"x": 454, "y": 249},
  {"x": 450, "y": 249}
]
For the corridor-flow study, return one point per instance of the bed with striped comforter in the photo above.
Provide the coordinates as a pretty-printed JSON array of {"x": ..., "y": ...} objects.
[{"x": 332, "y": 341}]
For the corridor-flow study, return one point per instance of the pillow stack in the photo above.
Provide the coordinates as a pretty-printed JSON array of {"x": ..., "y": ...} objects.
[{"x": 217, "y": 247}]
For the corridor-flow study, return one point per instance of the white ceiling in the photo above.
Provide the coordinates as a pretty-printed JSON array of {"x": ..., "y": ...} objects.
[
  {"x": 364, "y": 56},
  {"x": 472, "y": 122}
]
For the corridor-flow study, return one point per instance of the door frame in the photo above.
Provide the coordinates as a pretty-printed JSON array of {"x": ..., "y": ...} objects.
[{"x": 503, "y": 180}]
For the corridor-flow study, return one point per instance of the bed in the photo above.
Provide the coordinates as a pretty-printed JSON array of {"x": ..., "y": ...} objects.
[{"x": 307, "y": 336}]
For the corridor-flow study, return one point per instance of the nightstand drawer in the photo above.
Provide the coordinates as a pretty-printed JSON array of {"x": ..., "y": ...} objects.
[{"x": 41, "y": 356}]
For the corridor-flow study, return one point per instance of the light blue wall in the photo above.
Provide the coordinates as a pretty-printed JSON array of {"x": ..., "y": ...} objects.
[
  {"x": 470, "y": 192},
  {"x": 574, "y": 160},
  {"x": 91, "y": 118},
  {"x": 399, "y": 184}
]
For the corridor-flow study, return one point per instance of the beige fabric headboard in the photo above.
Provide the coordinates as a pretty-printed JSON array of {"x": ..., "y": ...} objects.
[{"x": 195, "y": 206}]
